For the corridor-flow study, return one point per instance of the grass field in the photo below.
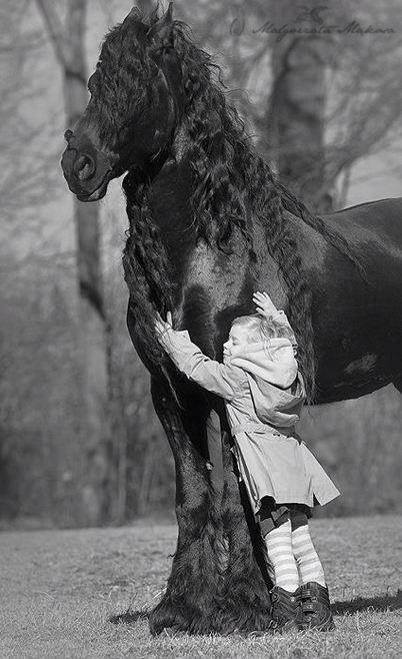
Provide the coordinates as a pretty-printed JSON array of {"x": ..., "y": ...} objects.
[{"x": 60, "y": 589}]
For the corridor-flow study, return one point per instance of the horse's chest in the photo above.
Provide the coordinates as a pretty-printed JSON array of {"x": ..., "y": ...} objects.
[
  {"x": 212, "y": 291},
  {"x": 215, "y": 271}
]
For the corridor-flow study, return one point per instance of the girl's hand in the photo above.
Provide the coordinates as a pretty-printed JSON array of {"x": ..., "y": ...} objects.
[
  {"x": 264, "y": 304},
  {"x": 162, "y": 326}
]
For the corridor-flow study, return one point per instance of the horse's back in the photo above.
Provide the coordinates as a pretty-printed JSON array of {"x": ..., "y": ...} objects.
[
  {"x": 374, "y": 233},
  {"x": 363, "y": 315},
  {"x": 374, "y": 221}
]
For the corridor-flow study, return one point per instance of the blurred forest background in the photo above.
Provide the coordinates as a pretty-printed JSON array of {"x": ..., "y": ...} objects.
[{"x": 79, "y": 441}]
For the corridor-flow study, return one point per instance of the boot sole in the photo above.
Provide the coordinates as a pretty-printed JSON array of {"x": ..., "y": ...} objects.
[{"x": 289, "y": 626}]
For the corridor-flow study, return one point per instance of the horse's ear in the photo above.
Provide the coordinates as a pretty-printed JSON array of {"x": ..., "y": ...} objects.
[
  {"x": 135, "y": 13},
  {"x": 168, "y": 17},
  {"x": 162, "y": 30}
]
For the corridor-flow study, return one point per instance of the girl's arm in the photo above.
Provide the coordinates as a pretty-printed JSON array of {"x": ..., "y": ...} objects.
[
  {"x": 226, "y": 381},
  {"x": 267, "y": 309}
]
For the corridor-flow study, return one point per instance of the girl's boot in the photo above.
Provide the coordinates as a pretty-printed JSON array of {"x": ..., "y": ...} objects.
[
  {"x": 284, "y": 610},
  {"x": 314, "y": 610}
]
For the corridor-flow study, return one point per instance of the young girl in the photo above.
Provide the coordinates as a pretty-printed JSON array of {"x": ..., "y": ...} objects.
[{"x": 264, "y": 393}]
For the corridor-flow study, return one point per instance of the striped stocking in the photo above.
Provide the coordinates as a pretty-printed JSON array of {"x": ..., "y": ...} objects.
[
  {"x": 308, "y": 562},
  {"x": 280, "y": 556}
]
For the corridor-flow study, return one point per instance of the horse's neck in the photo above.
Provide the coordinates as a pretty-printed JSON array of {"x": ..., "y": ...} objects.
[
  {"x": 171, "y": 191},
  {"x": 169, "y": 196},
  {"x": 310, "y": 244}
]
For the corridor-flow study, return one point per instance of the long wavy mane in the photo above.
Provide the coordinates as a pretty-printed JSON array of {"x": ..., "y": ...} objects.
[{"x": 233, "y": 187}]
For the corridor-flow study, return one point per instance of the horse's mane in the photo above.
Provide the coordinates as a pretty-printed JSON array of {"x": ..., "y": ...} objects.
[{"x": 233, "y": 187}]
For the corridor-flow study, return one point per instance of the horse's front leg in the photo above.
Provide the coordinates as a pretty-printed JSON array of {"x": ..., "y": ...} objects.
[
  {"x": 191, "y": 582},
  {"x": 215, "y": 584}
]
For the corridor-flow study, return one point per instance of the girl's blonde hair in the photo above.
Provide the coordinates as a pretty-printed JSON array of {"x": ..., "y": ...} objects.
[{"x": 263, "y": 328}]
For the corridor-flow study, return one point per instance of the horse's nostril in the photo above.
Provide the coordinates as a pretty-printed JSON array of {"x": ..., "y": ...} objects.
[{"x": 84, "y": 167}]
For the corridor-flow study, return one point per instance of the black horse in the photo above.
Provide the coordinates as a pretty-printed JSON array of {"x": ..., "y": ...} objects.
[{"x": 209, "y": 225}]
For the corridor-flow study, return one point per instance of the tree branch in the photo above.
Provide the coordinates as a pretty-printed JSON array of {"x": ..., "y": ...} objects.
[{"x": 55, "y": 29}]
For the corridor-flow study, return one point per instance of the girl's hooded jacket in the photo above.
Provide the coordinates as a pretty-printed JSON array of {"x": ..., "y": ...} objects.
[{"x": 264, "y": 394}]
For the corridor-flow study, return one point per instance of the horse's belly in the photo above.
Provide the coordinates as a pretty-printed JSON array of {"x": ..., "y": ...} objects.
[
  {"x": 359, "y": 381},
  {"x": 346, "y": 370}
]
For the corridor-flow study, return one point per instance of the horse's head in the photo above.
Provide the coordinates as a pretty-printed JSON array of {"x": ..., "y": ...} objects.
[{"x": 135, "y": 105}]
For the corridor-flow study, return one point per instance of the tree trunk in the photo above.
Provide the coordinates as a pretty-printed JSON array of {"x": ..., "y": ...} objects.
[
  {"x": 92, "y": 505},
  {"x": 295, "y": 117}
]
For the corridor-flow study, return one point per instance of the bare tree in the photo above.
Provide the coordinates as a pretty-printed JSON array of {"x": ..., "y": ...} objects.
[
  {"x": 68, "y": 42},
  {"x": 315, "y": 103},
  {"x": 295, "y": 117},
  {"x": 21, "y": 171},
  {"x": 327, "y": 106}
]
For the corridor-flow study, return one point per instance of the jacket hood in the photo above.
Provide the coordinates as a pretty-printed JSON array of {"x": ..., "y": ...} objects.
[{"x": 276, "y": 386}]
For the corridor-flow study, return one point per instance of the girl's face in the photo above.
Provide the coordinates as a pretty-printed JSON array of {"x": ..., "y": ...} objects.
[{"x": 235, "y": 343}]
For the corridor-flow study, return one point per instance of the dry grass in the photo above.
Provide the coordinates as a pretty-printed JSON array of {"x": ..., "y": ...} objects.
[{"x": 60, "y": 588}]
